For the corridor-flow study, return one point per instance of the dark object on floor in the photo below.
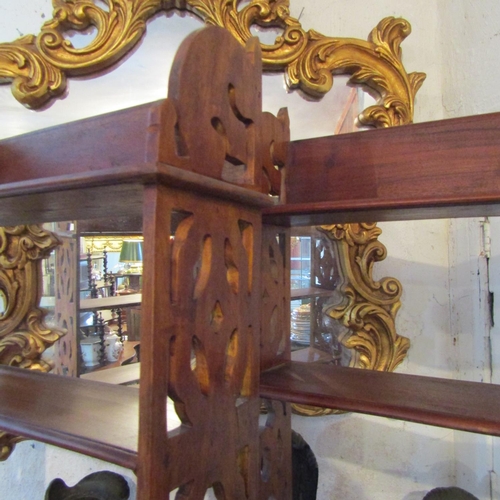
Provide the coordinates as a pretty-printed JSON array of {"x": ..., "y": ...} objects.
[
  {"x": 452, "y": 493},
  {"x": 304, "y": 469},
  {"x": 103, "y": 485}
]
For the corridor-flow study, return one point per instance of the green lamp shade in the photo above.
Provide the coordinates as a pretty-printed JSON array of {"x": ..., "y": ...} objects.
[{"x": 131, "y": 251}]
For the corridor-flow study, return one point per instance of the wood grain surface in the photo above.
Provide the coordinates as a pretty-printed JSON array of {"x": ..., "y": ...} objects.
[
  {"x": 447, "y": 168},
  {"x": 96, "y": 419},
  {"x": 457, "y": 404}
]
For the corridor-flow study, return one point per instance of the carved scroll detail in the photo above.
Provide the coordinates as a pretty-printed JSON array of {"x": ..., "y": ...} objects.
[
  {"x": 369, "y": 307},
  {"x": 7, "y": 444},
  {"x": 23, "y": 334},
  {"x": 39, "y": 64}
]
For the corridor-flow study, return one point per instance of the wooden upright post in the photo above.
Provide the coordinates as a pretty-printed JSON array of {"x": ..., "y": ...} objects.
[{"x": 203, "y": 296}]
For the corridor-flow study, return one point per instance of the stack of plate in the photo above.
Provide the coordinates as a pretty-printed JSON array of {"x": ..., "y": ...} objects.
[{"x": 300, "y": 331}]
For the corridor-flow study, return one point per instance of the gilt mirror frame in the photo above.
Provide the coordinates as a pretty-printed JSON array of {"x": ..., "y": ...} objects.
[{"x": 37, "y": 66}]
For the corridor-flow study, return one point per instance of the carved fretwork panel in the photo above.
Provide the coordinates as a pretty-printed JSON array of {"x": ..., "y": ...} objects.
[
  {"x": 214, "y": 350},
  {"x": 230, "y": 139},
  {"x": 66, "y": 350},
  {"x": 275, "y": 312},
  {"x": 201, "y": 335},
  {"x": 23, "y": 334},
  {"x": 276, "y": 452},
  {"x": 210, "y": 299},
  {"x": 275, "y": 435}
]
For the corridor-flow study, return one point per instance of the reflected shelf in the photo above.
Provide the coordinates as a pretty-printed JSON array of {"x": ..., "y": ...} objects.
[{"x": 93, "y": 418}]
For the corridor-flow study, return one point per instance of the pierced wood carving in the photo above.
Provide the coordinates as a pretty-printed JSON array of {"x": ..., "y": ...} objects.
[
  {"x": 275, "y": 435},
  {"x": 214, "y": 345},
  {"x": 66, "y": 289},
  {"x": 202, "y": 340},
  {"x": 242, "y": 145}
]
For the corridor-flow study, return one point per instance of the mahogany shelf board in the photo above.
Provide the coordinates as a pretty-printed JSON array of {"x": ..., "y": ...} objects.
[
  {"x": 91, "y": 195},
  {"x": 447, "y": 168},
  {"x": 119, "y": 375},
  {"x": 341, "y": 212},
  {"x": 96, "y": 419},
  {"x": 133, "y": 299},
  {"x": 304, "y": 293},
  {"x": 121, "y": 138},
  {"x": 467, "y": 406}
]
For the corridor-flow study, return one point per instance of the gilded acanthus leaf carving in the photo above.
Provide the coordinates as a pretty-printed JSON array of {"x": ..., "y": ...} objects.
[
  {"x": 369, "y": 307},
  {"x": 23, "y": 334},
  {"x": 38, "y": 65},
  {"x": 7, "y": 444},
  {"x": 34, "y": 81},
  {"x": 21, "y": 244},
  {"x": 118, "y": 29}
]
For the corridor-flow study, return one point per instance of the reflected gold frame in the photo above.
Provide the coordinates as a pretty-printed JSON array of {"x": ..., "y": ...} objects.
[{"x": 38, "y": 67}]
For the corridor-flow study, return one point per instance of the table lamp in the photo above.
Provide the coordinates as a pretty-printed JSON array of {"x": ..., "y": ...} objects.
[{"x": 131, "y": 255}]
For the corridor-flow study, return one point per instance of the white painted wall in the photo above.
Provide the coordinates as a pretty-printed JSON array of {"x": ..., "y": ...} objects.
[
  {"x": 360, "y": 457},
  {"x": 439, "y": 263}
]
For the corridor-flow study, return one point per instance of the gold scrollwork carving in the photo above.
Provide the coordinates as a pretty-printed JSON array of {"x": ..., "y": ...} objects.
[
  {"x": 368, "y": 309},
  {"x": 7, "y": 444},
  {"x": 39, "y": 65},
  {"x": 23, "y": 334},
  {"x": 108, "y": 243}
]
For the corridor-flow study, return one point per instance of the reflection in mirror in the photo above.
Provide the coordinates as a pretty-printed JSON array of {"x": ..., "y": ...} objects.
[
  {"x": 315, "y": 282},
  {"x": 335, "y": 113},
  {"x": 3, "y": 303},
  {"x": 140, "y": 78},
  {"x": 316, "y": 273},
  {"x": 91, "y": 296},
  {"x": 48, "y": 299},
  {"x": 143, "y": 75},
  {"x": 110, "y": 285}
]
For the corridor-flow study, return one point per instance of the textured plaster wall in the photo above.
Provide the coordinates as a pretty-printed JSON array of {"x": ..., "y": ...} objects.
[
  {"x": 471, "y": 44},
  {"x": 470, "y": 83},
  {"x": 439, "y": 262},
  {"x": 370, "y": 458}
]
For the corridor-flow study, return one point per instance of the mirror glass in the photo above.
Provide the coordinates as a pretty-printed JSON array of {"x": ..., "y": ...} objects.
[
  {"x": 3, "y": 303},
  {"x": 142, "y": 77}
]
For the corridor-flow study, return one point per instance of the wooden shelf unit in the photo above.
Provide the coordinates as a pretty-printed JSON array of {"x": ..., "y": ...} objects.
[
  {"x": 204, "y": 305},
  {"x": 96, "y": 419},
  {"x": 78, "y": 175},
  {"x": 455, "y": 404}
]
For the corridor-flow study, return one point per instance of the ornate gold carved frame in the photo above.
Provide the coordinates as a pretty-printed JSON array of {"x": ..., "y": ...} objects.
[{"x": 38, "y": 66}]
